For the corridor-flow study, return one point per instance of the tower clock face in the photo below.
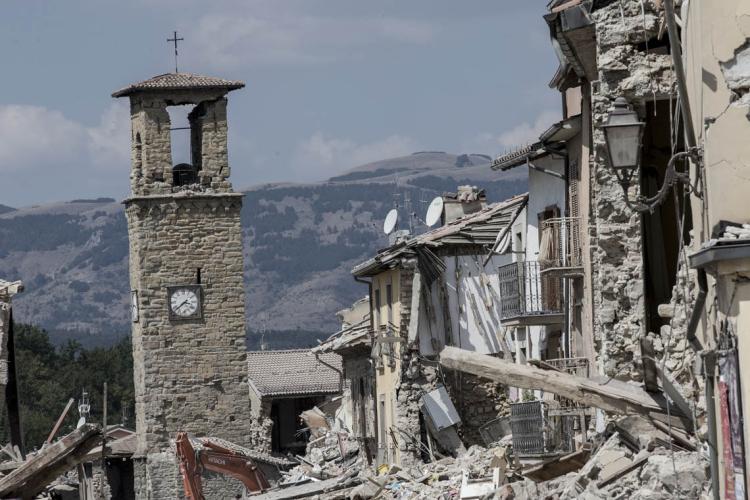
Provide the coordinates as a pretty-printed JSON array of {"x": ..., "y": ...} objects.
[{"x": 184, "y": 302}]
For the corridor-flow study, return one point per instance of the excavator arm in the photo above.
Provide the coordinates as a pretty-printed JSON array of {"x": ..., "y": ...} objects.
[{"x": 217, "y": 459}]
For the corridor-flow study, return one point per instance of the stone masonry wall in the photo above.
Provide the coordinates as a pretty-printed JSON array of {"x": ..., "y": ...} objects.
[
  {"x": 189, "y": 375},
  {"x": 151, "y": 152},
  {"x": 478, "y": 402},
  {"x": 412, "y": 382},
  {"x": 625, "y": 69}
]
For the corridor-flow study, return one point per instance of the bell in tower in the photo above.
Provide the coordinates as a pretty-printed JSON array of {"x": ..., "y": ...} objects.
[{"x": 153, "y": 171}]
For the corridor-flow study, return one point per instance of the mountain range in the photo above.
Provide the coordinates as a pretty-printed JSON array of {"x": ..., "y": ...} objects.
[{"x": 301, "y": 241}]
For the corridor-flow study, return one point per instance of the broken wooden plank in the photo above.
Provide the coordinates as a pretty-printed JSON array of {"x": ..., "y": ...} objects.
[
  {"x": 639, "y": 460},
  {"x": 38, "y": 471},
  {"x": 558, "y": 466},
  {"x": 670, "y": 389},
  {"x": 60, "y": 421},
  {"x": 679, "y": 437},
  {"x": 609, "y": 395}
]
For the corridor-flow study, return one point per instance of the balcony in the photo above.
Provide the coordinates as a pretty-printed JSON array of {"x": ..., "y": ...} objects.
[
  {"x": 560, "y": 247},
  {"x": 538, "y": 434},
  {"x": 573, "y": 366},
  {"x": 528, "y": 297}
]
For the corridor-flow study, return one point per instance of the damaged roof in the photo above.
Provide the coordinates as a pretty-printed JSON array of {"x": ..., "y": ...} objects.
[
  {"x": 551, "y": 140},
  {"x": 10, "y": 288},
  {"x": 351, "y": 336},
  {"x": 480, "y": 228},
  {"x": 180, "y": 81},
  {"x": 293, "y": 372}
]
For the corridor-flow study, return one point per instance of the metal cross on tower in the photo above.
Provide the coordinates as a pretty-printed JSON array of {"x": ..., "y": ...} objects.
[{"x": 175, "y": 40}]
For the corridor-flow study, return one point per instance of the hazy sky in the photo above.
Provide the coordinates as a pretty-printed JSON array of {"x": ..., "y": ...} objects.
[{"x": 330, "y": 83}]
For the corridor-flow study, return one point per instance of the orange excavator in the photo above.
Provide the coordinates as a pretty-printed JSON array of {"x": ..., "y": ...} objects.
[{"x": 214, "y": 457}]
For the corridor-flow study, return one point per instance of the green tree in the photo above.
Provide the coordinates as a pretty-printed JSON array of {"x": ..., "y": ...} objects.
[{"x": 49, "y": 376}]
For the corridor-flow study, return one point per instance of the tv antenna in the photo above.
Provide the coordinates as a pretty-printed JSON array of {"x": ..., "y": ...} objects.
[
  {"x": 84, "y": 409},
  {"x": 409, "y": 212},
  {"x": 434, "y": 211}
]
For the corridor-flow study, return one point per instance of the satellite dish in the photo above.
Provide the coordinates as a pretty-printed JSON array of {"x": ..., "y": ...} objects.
[
  {"x": 80, "y": 423},
  {"x": 434, "y": 211},
  {"x": 504, "y": 244},
  {"x": 390, "y": 221}
]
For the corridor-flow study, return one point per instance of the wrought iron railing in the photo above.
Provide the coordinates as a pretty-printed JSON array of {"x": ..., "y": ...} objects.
[
  {"x": 536, "y": 434},
  {"x": 560, "y": 245},
  {"x": 525, "y": 291},
  {"x": 574, "y": 366}
]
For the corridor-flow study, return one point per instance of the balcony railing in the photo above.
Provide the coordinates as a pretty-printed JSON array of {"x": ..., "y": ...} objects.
[
  {"x": 528, "y": 296},
  {"x": 574, "y": 366},
  {"x": 560, "y": 246},
  {"x": 536, "y": 433}
]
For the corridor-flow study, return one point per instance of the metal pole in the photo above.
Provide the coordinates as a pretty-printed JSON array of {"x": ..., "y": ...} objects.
[
  {"x": 104, "y": 426},
  {"x": 675, "y": 46}
]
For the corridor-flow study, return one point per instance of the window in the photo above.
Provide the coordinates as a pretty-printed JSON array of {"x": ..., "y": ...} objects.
[
  {"x": 389, "y": 302},
  {"x": 376, "y": 311}
]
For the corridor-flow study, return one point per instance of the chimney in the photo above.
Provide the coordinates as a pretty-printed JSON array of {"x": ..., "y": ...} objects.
[{"x": 468, "y": 200}]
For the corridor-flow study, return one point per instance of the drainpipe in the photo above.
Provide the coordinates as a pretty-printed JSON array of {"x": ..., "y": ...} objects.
[
  {"x": 679, "y": 70},
  {"x": 708, "y": 372},
  {"x": 695, "y": 316}
]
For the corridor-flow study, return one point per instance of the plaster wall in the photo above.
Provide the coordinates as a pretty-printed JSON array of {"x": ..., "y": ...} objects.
[
  {"x": 545, "y": 191},
  {"x": 716, "y": 42},
  {"x": 388, "y": 370},
  {"x": 473, "y": 298},
  {"x": 717, "y": 57}
]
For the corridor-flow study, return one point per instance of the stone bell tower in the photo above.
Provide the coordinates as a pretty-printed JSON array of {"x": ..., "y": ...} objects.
[{"x": 186, "y": 265}]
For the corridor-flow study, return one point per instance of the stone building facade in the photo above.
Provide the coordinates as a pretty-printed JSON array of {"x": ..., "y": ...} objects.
[
  {"x": 643, "y": 75},
  {"x": 186, "y": 275}
]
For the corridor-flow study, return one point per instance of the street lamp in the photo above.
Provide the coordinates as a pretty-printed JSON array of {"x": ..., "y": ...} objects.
[{"x": 623, "y": 134}]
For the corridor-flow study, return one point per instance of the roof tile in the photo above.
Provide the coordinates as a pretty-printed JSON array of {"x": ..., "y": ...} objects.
[
  {"x": 180, "y": 81},
  {"x": 290, "y": 372}
]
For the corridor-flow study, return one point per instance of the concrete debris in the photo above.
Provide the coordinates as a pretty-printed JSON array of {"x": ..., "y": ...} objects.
[{"x": 632, "y": 459}]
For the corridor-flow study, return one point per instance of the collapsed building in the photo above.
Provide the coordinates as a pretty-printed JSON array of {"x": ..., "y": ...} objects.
[
  {"x": 353, "y": 343},
  {"x": 581, "y": 340},
  {"x": 427, "y": 292}
]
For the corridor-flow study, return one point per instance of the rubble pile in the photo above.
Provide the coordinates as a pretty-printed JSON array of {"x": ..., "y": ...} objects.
[
  {"x": 446, "y": 478},
  {"x": 649, "y": 466}
]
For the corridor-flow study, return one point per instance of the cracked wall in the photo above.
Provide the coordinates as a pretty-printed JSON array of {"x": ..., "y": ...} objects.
[
  {"x": 717, "y": 54},
  {"x": 717, "y": 57}
]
